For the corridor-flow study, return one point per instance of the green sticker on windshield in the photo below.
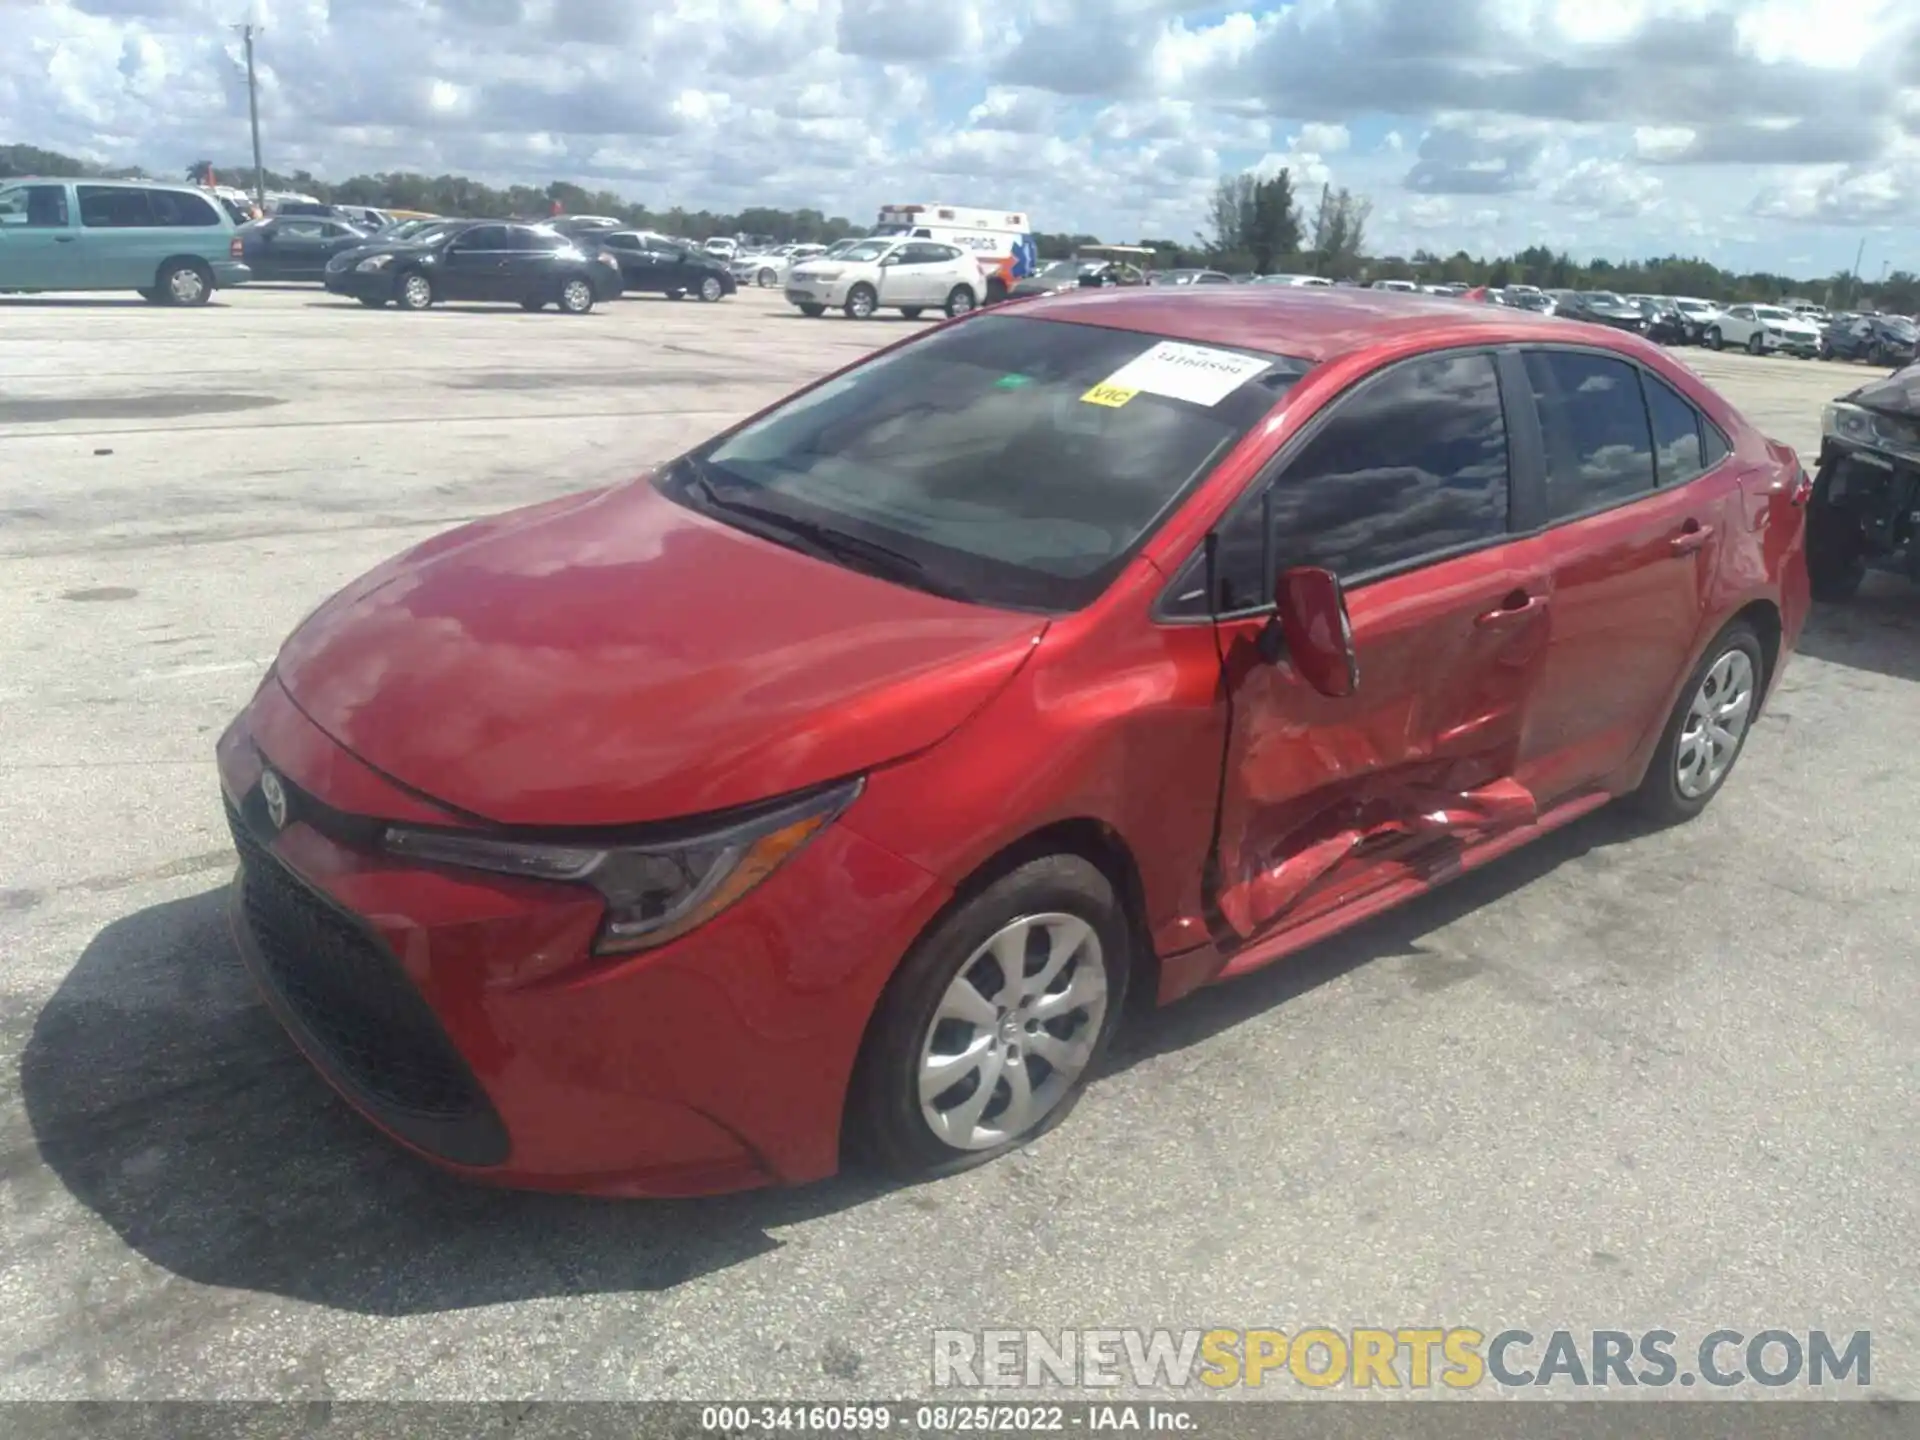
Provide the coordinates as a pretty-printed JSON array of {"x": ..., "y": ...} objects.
[{"x": 1012, "y": 382}]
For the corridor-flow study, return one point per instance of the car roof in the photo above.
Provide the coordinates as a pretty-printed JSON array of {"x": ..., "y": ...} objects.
[
  {"x": 108, "y": 184},
  {"x": 1314, "y": 324}
]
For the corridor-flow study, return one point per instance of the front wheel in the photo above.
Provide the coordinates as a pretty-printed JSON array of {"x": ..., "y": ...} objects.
[
  {"x": 767, "y": 279},
  {"x": 576, "y": 297},
  {"x": 813, "y": 312},
  {"x": 1708, "y": 728},
  {"x": 1756, "y": 345},
  {"x": 959, "y": 302},
  {"x": 992, "y": 1024},
  {"x": 861, "y": 303},
  {"x": 711, "y": 289},
  {"x": 415, "y": 291},
  {"x": 1715, "y": 341},
  {"x": 185, "y": 282}
]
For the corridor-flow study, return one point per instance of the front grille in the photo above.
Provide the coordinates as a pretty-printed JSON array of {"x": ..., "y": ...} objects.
[{"x": 369, "y": 1028}]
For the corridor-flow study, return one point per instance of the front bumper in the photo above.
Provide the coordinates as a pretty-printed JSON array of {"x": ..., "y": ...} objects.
[
  {"x": 361, "y": 284},
  {"x": 464, "y": 1014},
  {"x": 831, "y": 293}
]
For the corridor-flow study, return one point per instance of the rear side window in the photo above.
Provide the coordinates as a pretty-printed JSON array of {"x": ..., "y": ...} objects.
[
  {"x": 483, "y": 237},
  {"x": 40, "y": 207},
  {"x": 175, "y": 207},
  {"x": 1717, "y": 447},
  {"x": 108, "y": 207},
  {"x": 1676, "y": 432},
  {"x": 1599, "y": 442}
]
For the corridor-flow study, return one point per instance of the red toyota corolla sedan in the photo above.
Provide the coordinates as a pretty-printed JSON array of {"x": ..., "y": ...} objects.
[{"x": 833, "y": 785}]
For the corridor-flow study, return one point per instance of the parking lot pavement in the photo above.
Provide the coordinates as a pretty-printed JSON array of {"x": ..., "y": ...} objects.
[{"x": 1616, "y": 1081}]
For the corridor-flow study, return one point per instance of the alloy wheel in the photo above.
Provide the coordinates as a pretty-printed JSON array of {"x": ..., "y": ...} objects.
[
  {"x": 1013, "y": 1032},
  {"x": 577, "y": 296},
  {"x": 1715, "y": 726},
  {"x": 417, "y": 292},
  {"x": 710, "y": 289}
]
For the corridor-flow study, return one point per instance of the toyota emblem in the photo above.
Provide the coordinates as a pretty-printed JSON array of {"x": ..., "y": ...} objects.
[{"x": 275, "y": 794}]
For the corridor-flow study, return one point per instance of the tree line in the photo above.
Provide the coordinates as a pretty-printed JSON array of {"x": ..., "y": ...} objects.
[{"x": 1255, "y": 223}]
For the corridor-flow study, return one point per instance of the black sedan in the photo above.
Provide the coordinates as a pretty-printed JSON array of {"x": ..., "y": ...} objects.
[
  {"x": 296, "y": 247},
  {"x": 488, "y": 261},
  {"x": 661, "y": 265},
  {"x": 1877, "y": 339},
  {"x": 1598, "y": 307}
]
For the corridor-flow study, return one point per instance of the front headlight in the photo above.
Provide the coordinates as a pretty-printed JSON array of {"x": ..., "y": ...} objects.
[
  {"x": 375, "y": 262},
  {"x": 1841, "y": 421},
  {"x": 655, "y": 892}
]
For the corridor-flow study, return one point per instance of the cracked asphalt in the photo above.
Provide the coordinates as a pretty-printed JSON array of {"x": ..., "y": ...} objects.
[{"x": 1617, "y": 1081}]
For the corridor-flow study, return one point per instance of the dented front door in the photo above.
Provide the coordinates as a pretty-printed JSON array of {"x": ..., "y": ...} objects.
[{"x": 1324, "y": 799}]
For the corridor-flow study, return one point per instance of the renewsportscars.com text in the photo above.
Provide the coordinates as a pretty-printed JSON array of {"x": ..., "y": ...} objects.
[{"x": 1414, "y": 1358}]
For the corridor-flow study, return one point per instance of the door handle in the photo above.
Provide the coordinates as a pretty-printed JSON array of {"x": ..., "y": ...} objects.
[
  {"x": 65, "y": 239},
  {"x": 1691, "y": 537},
  {"x": 1516, "y": 606}
]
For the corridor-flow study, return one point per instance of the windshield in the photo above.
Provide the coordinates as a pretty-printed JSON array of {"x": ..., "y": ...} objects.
[
  {"x": 1694, "y": 307},
  {"x": 1773, "y": 312},
  {"x": 866, "y": 250},
  {"x": 1009, "y": 461},
  {"x": 1897, "y": 326},
  {"x": 1602, "y": 297},
  {"x": 1064, "y": 270}
]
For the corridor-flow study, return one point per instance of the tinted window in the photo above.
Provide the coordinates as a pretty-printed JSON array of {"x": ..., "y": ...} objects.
[
  {"x": 1717, "y": 447},
  {"x": 622, "y": 242},
  {"x": 176, "y": 207},
  {"x": 299, "y": 230},
  {"x": 42, "y": 207},
  {"x": 519, "y": 237},
  {"x": 1599, "y": 447},
  {"x": 483, "y": 237},
  {"x": 922, "y": 254},
  {"x": 108, "y": 207},
  {"x": 1413, "y": 463},
  {"x": 1009, "y": 457},
  {"x": 1676, "y": 432}
]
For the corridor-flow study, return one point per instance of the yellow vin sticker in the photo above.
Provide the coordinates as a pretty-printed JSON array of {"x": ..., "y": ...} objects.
[{"x": 1112, "y": 396}]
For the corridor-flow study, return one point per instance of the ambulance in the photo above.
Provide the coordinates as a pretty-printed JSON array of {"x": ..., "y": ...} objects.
[{"x": 1001, "y": 240}]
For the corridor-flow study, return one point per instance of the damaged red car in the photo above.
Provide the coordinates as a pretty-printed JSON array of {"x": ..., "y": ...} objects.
[{"x": 828, "y": 790}]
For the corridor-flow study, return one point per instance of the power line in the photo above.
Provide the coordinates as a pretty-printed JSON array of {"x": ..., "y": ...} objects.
[{"x": 247, "y": 32}]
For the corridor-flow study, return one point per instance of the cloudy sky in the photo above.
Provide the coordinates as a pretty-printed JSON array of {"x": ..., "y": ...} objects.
[{"x": 1776, "y": 133}]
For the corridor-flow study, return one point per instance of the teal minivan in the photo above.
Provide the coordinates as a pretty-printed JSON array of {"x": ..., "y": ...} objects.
[{"x": 173, "y": 244}]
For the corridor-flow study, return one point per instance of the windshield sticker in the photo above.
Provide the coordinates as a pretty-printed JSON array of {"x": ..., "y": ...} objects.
[
  {"x": 1109, "y": 394},
  {"x": 1194, "y": 373}
]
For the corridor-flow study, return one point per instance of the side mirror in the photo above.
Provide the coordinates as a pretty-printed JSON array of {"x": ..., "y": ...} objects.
[{"x": 1312, "y": 610}]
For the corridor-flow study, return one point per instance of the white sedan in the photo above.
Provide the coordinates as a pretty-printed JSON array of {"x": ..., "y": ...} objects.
[
  {"x": 884, "y": 273},
  {"x": 1763, "y": 330}
]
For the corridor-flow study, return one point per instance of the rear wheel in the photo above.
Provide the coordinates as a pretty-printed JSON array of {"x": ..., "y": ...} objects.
[
  {"x": 576, "y": 296},
  {"x": 992, "y": 1024},
  {"x": 1708, "y": 728},
  {"x": 185, "y": 282},
  {"x": 415, "y": 291},
  {"x": 813, "y": 312}
]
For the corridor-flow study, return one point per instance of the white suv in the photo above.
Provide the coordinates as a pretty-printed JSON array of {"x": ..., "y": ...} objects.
[
  {"x": 887, "y": 273},
  {"x": 1763, "y": 329}
]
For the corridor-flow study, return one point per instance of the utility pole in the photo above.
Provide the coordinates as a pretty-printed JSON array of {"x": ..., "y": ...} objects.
[{"x": 247, "y": 32}]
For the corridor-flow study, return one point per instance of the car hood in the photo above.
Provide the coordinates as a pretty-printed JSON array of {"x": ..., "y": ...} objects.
[
  {"x": 1897, "y": 395},
  {"x": 615, "y": 658}
]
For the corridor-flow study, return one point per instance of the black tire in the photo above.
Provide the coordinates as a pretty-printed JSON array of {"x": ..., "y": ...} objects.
[
  {"x": 676, "y": 294},
  {"x": 711, "y": 290},
  {"x": 1756, "y": 345},
  {"x": 1715, "y": 340},
  {"x": 1836, "y": 551},
  {"x": 813, "y": 312},
  {"x": 960, "y": 301},
  {"x": 184, "y": 282},
  {"x": 152, "y": 297},
  {"x": 1824, "y": 350},
  {"x": 413, "y": 291},
  {"x": 533, "y": 306},
  {"x": 373, "y": 302},
  {"x": 862, "y": 303},
  {"x": 767, "y": 279},
  {"x": 576, "y": 296},
  {"x": 912, "y": 312},
  {"x": 885, "y": 1126},
  {"x": 1659, "y": 797}
]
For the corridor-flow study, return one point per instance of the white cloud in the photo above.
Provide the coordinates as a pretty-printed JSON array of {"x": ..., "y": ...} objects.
[{"x": 1642, "y": 124}]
